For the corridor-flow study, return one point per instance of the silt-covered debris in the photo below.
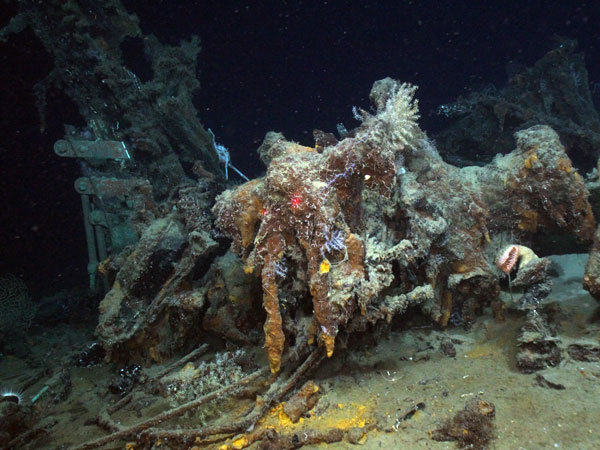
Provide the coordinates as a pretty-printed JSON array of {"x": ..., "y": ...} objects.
[{"x": 343, "y": 236}]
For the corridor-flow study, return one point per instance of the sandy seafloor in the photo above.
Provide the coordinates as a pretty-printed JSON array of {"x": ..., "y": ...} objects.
[
  {"x": 390, "y": 378},
  {"x": 379, "y": 383}
]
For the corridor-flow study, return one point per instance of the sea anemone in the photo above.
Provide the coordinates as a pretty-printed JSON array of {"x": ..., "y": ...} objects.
[
  {"x": 507, "y": 259},
  {"x": 511, "y": 254},
  {"x": 11, "y": 396}
]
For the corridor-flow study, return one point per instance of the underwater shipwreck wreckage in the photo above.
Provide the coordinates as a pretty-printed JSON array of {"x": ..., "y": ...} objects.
[
  {"x": 333, "y": 241},
  {"x": 336, "y": 238},
  {"x": 555, "y": 91}
]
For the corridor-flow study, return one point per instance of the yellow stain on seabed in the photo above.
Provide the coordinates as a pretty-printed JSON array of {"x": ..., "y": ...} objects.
[
  {"x": 341, "y": 416},
  {"x": 481, "y": 351},
  {"x": 240, "y": 443}
]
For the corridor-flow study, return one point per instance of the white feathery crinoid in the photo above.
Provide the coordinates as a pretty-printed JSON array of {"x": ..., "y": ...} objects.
[{"x": 401, "y": 114}]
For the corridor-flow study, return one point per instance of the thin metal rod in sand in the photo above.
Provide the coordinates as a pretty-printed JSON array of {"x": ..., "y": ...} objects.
[
  {"x": 275, "y": 394},
  {"x": 180, "y": 362},
  {"x": 172, "y": 413}
]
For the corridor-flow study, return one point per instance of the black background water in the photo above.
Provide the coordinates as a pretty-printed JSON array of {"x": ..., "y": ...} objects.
[{"x": 283, "y": 65}]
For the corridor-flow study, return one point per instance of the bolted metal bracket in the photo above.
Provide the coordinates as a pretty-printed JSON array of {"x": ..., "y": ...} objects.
[{"x": 71, "y": 148}]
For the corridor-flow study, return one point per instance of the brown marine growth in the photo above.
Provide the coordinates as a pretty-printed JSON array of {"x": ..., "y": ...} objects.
[
  {"x": 304, "y": 217},
  {"x": 591, "y": 278},
  {"x": 472, "y": 427},
  {"x": 356, "y": 232}
]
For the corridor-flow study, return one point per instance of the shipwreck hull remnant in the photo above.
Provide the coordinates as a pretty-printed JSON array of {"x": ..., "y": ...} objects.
[
  {"x": 362, "y": 229},
  {"x": 336, "y": 238}
]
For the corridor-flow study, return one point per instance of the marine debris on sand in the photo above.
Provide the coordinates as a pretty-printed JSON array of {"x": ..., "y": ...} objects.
[{"x": 233, "y": 313}]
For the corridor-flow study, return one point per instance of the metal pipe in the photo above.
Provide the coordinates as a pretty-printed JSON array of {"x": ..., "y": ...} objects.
[{"x": 92, "y": 267}]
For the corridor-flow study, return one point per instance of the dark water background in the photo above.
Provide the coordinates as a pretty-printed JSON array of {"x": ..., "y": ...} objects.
[{"x": 289, "y": 66}]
